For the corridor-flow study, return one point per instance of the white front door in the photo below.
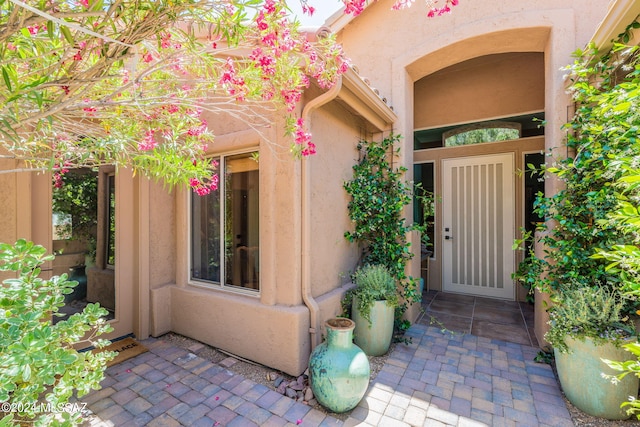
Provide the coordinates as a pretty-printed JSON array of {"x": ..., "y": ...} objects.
[{"x": 478, "y": 225}]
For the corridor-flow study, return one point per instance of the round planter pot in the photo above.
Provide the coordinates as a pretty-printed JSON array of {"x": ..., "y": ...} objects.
[
  {"x": 374, "y": 338},
  {"x": 338, "y": 369},
  {"x": 580, "y": 371}
]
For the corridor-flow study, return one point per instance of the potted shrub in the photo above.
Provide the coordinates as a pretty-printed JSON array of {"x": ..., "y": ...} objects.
[
  {"x": 374, "y": 300},
  {"x": 587, "y": 325},
  {"x": 379, "y": 196}
]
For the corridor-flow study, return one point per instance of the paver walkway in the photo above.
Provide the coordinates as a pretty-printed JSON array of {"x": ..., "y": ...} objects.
[{"x": 440, "y": 379}]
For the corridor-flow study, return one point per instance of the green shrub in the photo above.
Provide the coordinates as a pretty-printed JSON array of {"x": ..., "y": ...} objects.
[
  {"x": 379, "y": 195},
  {"x": 595, "y": 312},
  {"x": 39, "y": 365},
  {"x": 373, "y": 283}
]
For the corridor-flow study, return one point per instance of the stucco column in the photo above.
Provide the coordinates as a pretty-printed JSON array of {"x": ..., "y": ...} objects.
[{"x": 558, "y": 104}]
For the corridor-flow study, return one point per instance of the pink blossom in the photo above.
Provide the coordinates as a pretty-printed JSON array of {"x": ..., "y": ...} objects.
[
  {"x": 268, "y": 94},
  {"x": 84, "y": 3},
  {"x": 270, "y": 39},
  {"x": 164, "y": 40},
  {"x": 353, "y": 7},
  {"x": 57, "y": 175},
  {"x": 89, "y": 110},
  {"x": 402, "y": 4},
  {"x": 149, "y": 141},
  {"x": 270, "y": 6},
  {"x": 302, "y": 138},
  {"x": 147, "y": 57},
  {"x": 77, "y": 56},
  {"x": 310, "y": 150},
  {"x": 309, "y": 10},
  {"x": 57, "y": 180},
  {"x": 33, "y": 29},
  {"x": 291, "y": 98},
  {"x": 202, "y": 189},
  {"x": 173, "y": 108},
  {"x": 439, "y": 11},
  {"x": 260, "y": 21},
  {"x": 198, "y": 130},
  {"x": 11, "y": 46}
]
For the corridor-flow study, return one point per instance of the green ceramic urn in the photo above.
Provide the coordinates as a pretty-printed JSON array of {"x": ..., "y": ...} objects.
[
  {"x": 580, "y": 374},
  {"x": 338, "y": 369}
]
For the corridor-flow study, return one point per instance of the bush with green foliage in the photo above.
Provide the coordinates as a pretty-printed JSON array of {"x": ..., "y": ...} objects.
[
  {"x": 580, "y": 219},
  {"x": 595, "y": 312},
  {"x": 373, "y": 283},
  {"x": 379, "y": 196},
  {"x": 38, "y": 361},
  {"x": 593, "y": 236}
]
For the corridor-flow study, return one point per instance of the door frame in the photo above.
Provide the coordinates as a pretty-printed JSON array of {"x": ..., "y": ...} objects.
[{"x": 518, "y": 147}]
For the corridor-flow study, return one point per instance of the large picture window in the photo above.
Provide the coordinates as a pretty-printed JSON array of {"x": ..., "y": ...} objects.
[{"x": 225, "y": 227}]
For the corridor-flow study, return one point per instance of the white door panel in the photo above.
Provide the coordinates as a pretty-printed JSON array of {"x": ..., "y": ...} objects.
[{"x": 478, "y": 219}]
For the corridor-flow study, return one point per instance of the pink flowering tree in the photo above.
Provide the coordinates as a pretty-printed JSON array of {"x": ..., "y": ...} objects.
[
  {"x": 123, "y": 82},
  {"x": 434, "y": 7},
  {"x": 93, "y": 82}
]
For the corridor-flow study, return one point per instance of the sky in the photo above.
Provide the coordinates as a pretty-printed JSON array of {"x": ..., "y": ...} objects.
[{"x": 324, "y": 9}]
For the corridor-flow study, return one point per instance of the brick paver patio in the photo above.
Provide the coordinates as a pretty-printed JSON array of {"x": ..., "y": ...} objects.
[{"x": 439, "y": 379}]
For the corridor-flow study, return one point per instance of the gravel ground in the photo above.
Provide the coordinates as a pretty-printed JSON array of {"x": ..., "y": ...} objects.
[{"x": 262, "y": 374}]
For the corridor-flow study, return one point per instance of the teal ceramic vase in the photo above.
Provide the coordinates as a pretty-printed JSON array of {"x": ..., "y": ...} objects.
[
  {"x": 580, "y": 374},
  {"x": 339, "y": 369},
  {"x": 374, "y": 335}
]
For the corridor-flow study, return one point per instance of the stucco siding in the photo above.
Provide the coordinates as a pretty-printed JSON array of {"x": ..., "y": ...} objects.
[
  {"x": 408, "y": 32},
  {"x": 333, "y": 258},
  {"x": 492, "y": 86},
  {"x": 162, "y": 236},
  {"x": 276, "y": 336}
]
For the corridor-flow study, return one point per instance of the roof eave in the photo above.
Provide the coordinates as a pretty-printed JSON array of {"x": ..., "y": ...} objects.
[
  {"x": 366, "y": 102},
  {"x": 621, "y": 13}
]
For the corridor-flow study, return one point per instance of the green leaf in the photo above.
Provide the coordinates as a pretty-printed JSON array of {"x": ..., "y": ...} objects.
[
  {"x": 26, "y": 373},
  {"x": 7, "y": 80},
  {"x": 67, "y": 34},
  {"x": 50, "y": 29},
  {"x": 69, "y": 358}
]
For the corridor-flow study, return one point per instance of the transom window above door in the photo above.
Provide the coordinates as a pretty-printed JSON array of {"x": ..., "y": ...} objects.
[
  {"x": 225, "y": 238},
  {"x": 504, "y": 129},
  {"x": 478, "y": 133}
]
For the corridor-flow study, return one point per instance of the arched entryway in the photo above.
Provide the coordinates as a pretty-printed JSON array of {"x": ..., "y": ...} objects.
[{"x": 476, "y": 125}]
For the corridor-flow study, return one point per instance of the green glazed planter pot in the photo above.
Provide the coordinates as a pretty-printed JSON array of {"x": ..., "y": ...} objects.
[
  {"x": 338, "y": 369},
  {"x": 374, "y": 338},
  {"x": 580, "y": 371}
]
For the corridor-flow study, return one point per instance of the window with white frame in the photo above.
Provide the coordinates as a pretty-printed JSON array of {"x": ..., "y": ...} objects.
[{"x": 225, "y": 226}]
